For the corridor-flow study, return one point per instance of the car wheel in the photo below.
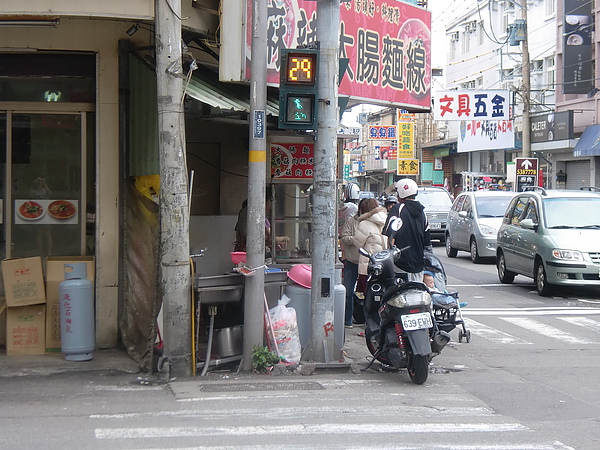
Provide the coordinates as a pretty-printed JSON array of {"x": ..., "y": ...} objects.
[
  {"x": 474, "y": 252},
  {"x": 541, "y": 281},
  {"x": 450, "y": 251},
  {"x": 504, "y": 275}
]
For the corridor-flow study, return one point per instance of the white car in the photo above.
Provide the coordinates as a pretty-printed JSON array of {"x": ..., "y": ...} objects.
[{"x": 473, "y": 223}]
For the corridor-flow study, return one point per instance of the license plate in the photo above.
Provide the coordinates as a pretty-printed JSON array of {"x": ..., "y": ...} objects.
[
  {"x": 435, "y": 226},
  {"x": 416, "y": 321}
]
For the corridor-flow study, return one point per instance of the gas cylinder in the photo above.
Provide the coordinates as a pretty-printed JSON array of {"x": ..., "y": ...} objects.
[{"x": 77, "y": 330}]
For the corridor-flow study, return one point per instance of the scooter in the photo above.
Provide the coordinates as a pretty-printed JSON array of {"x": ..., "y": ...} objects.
[{"x": 400, "y": 329}]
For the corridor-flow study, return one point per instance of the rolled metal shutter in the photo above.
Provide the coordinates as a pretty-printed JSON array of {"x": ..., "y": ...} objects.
[{"x": 578, "y": 174}]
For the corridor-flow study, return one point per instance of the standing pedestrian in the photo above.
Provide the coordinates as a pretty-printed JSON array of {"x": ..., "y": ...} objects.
[
  {"x": 350, "y": 260},
  {"x": 407, "y": 226},
  {"x": 369, "y": 236},
  {"x": 349, "y": 207}
]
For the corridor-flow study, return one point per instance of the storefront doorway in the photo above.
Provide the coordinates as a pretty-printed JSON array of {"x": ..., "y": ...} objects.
[{"x": 44, "y": 183}]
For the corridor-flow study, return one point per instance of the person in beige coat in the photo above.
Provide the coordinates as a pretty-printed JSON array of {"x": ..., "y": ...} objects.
[{"x": 368, "y": 235}]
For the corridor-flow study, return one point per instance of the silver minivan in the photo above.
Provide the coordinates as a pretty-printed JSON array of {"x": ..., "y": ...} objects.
[
  {"x": 552, "y": 236},
  {"x": 473, "y": 223}
]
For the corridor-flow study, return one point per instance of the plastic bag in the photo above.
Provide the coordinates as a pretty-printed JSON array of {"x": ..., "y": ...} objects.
[{"x": 285, "y": 328}]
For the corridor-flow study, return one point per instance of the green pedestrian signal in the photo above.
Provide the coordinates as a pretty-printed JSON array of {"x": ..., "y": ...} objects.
[{"x": 298, "y": 96}]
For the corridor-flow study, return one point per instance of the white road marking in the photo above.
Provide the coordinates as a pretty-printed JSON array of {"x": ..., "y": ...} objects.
[
  {"x": 493, "y": 334},
  {"x": 590, "y": 324},
  {"x": 489, "y": 285},
  {"x": 556, "y": 445},
  {"x": 546, "y": 330},
  {"x": 288, "y": 413},
  {"x": 542, "y": 311},
  {"x": 307, "y": 429}
]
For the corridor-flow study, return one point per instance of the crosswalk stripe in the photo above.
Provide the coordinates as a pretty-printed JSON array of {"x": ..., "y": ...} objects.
[
  {"x": 583, "y": 322},
  {"x": 570, "y": 311},
  {"x": 307, "y": 429},
  {"x": 493, "y": 334},
  {"x": 546, "y": 330},
  {"x": 287, "y": 413}
]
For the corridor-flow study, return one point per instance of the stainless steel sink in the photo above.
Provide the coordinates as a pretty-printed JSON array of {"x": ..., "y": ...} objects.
[{"x": 226, "y": 288}]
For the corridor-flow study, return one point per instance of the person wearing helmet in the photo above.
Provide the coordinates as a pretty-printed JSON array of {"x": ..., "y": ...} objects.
[
  {"x": 390, "y": 201},
  {"x": 407, "y": 226}
]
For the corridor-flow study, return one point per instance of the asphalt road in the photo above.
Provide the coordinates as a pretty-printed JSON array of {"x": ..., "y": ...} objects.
[{"x": 528, "y": 379}]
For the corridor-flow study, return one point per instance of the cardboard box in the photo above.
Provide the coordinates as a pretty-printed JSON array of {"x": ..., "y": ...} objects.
[
  {"x": 26, "y": 330},
  {"x": 55, "y": 273},
  {"x": 23, "y": 281}
]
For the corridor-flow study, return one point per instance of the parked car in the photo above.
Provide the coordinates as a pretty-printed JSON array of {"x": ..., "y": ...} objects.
[
  {"x": 552, "y": 236},
  {"x": 437, "y": 202},
  {"x": 473, "y": 223}
]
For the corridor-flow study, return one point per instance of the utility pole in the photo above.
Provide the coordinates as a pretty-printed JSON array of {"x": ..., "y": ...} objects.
[
  {"x": 254, "y": 288},
  {"x": 525, "y": 86},
  {"x": 175, "y": 276},
  {"x": 324, "y": 247}
]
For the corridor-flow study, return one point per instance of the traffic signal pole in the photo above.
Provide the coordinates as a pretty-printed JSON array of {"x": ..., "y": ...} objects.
[
  {"x": 257, "y": 157},
  {"x": 324, "y": 245}
]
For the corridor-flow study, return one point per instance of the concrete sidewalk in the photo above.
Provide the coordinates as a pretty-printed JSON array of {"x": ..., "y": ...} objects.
[
  {"x": 50, "y": 364},
  {"x": 355, "y": 356}
]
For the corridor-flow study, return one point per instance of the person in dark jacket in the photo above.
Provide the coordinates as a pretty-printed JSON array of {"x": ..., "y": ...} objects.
[{"x": 406, "y": 226}]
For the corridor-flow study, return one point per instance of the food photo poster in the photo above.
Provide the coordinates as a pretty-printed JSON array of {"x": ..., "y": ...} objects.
[{"x": 55, "y": 212}]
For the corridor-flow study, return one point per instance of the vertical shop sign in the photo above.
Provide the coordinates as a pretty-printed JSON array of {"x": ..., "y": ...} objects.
[
  {"x": 406, "y": 140},
  {"x": 577, "y": 47}
]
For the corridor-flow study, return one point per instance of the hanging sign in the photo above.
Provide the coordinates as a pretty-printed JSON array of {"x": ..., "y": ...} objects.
[
  {"x": 408, "y": 167},
  {"x": 292, "y": 161},
  {"x": 471, "y": 105},
  {"x": 406, "y": 140},
  {"x": 382, "y": 132},
  {"x": 387, "y": 44},
  {"x": 527, "y": 172},
  {"x": 486, "y": 135}
]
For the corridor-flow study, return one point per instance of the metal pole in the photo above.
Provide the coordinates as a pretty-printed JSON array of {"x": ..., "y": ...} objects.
[
  {"x": 175, "y": 278},
  {"x": 257, "y": 157},
  {"x": 525, "y": 86},
  {"x": 324, "y": 250}
]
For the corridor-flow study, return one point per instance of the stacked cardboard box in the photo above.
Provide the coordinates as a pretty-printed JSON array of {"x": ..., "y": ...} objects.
[
  {"x": 31, "y": 306},
  {"x": 26, "y": 306}
]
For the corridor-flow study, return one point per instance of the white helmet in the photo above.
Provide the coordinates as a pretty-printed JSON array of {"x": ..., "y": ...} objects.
[
  {"x": 351, "y": 191},
  {"x": 406, "y": 187}
]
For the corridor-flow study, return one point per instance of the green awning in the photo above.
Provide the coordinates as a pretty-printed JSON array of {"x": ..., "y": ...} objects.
[
  {"x": 226, "y": 96},
  {"x": 440, "y": 152}
]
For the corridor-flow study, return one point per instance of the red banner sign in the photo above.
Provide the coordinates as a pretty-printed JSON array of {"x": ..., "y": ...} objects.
[
  {"x": 387, "y": 42},
  {"x": 292, "y": 161}
]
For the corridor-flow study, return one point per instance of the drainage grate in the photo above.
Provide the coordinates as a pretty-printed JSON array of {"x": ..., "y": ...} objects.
[{"x": 280, "y": 386}]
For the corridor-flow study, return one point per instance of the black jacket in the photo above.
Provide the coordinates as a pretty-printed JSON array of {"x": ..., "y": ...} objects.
[{"x": 407, "y": 225}]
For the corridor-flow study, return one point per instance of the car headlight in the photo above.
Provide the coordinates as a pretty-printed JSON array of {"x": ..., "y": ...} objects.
[
  {"x": 568, "y": 255},
  {"x": 410, "y": 298},
  {"x": 487, "y": 230}
]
